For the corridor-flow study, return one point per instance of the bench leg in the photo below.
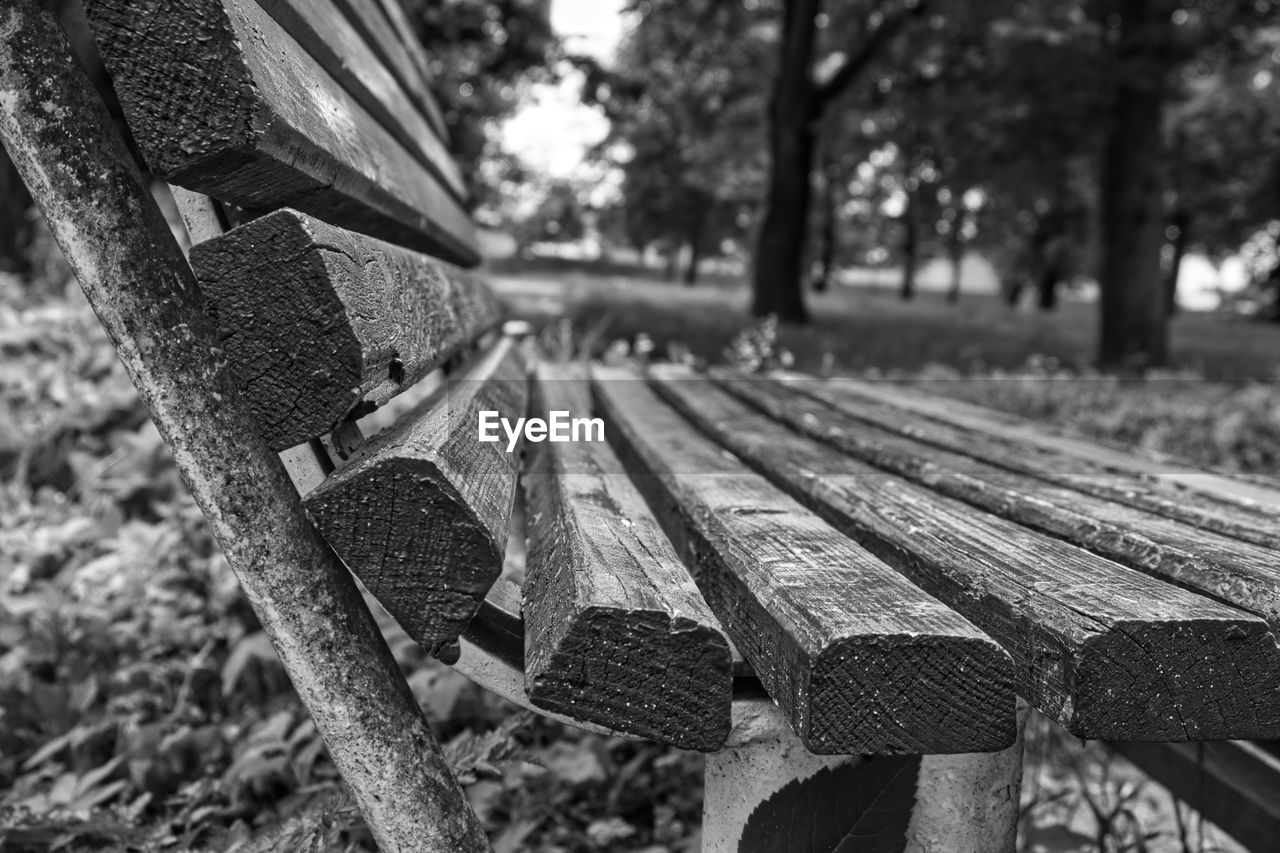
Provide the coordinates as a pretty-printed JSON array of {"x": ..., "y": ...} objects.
[{"x": 767, "y": 792}]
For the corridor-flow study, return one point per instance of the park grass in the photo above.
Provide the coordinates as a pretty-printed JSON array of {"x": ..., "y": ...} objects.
[
  {"x": 1218, "y": 405},
  {"x": 865, "y": 329}
]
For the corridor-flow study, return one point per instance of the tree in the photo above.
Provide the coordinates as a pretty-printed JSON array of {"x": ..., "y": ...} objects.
[
  {"x": 481, "y": 51},
  {"x": 1223, "y": 138},
  {"x": 798, "y": 105},
  {"x": 1150, "y": 42},
  {"x": 683, "y": 99}
]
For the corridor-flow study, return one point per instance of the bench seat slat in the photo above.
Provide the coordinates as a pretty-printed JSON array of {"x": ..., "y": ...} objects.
[
  {"x": 331, "y": 39},
  {"x": 1234, "y": 505},
  {"x": 1106, "y": 651},
  {"x": 1232, "y": 571},
  {"x": 858, "y": 659},
  {"x": 616, "y": 630},
  {"x": 317, "y": 320},
  {"x": 421, "y": 512},
  {"x": 223, "y": 101}
]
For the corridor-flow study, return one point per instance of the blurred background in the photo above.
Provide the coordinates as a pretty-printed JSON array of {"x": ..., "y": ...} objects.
[{"x": 1065, "y": 209}]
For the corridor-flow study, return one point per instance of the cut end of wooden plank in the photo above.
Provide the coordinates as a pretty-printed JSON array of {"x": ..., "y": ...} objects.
[
  {"x": 1187, "y": 680},
  {"x": 911, "y": 694},
  {"x": 421, "y": 512},
  {"x": 316, "y": 320},
  {"x": 638, "y": 666},
  {"x": 413, "y": 540},
  {"x": 223, "y": 101}
]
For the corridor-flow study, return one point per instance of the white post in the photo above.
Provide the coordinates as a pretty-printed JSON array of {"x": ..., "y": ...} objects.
[{"x": 963, "y": 803}]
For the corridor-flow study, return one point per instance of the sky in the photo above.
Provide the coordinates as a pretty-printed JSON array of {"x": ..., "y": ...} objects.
[{"x": 553, "y": 131}]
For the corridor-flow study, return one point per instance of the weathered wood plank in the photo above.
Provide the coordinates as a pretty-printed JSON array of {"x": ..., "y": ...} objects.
[
  {"x": 1232, "y": 571},
  {"x": 616, "y": 632},
  {"x": 69, "y": 152},
  {"x": 331, "y": 39},
  {"x": 1232, "y": 491},
  {"x": 859, "y": 660},
  {"x": 1106, "y": 651},
  {"x": 223, "y": 101},
  {"x": 318, "y": 320},
  {"x": 393, "y": 38},
  {"x": 420, "y": 512},
  {"x": 1009, "y": 446}
]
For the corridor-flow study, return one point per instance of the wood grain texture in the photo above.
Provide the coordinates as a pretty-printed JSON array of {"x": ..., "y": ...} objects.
[
  {"x": 1232, "y": 571},
  {"x": 317, "y": 320},
  {"x": 616, "y": 632},
  {"x": 331, "y": 39},
  {"x": 1235, "y": 490},
  {"x": 1097, "y": 473},
  {"x": 384, "y": 25},
  {"x": 223, "y": 101},
  {"x": 1106, "y": 651},
  {"x": 858, "y": 659},
  {"x": 69, "y": 151},
  {"x": 420, "y": 512}
]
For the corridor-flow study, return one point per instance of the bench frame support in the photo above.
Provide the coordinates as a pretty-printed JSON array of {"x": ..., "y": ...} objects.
[
  {"x": 963, "y": 803},
  {"x": 64, "y": 144}
]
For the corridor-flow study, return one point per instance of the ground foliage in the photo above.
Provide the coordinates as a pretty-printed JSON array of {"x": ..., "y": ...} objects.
[{"x": 141, "y": 707}]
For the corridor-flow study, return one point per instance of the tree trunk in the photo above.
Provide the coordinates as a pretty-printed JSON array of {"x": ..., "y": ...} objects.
[
  {"x": 691, "y": 271},
  {"x": 1050, "y": 278},
  {"x": 1134, "y": 330},
  {"x": 673, "y": 260},
  {"x": 955, "y": 245},
  {"x": 780, "y": 250},
  {"x": 827, "y": 254},
  {"x": 695, "y": 244},
  {"x": 910, "y": 239},
  {"x": 1182, "y": 224}
]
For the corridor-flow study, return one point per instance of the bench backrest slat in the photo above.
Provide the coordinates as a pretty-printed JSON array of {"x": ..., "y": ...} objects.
[
  {"x": 385, "y": 26},
  {"x": 616, "y": 630},
  {"x": 327, "y": 34},
  {"x": 838, "y": 638},
  {"x": 223, "y": 101},
  {"x": 421, "y": 512},
  {"x": 318, "y": 320}
]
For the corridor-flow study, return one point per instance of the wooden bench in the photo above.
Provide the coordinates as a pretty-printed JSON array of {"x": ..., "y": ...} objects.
[{"x": 832, "y": 588}]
